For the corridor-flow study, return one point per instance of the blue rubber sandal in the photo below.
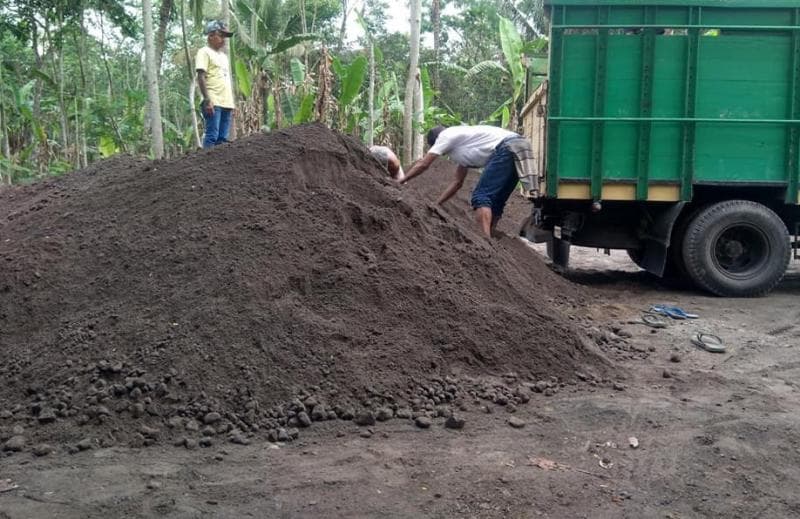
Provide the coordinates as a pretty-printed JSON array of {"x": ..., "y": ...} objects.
[{"x": 674, "y": 312}]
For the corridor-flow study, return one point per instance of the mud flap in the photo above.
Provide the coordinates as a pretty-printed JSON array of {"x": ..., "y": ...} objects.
[
  {"x": 532, "y": 233},
  {"x": 656, "y": 241}
]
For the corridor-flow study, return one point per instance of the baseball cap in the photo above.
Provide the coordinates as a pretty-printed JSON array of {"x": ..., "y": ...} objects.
[{"x": 217, "y": 25}]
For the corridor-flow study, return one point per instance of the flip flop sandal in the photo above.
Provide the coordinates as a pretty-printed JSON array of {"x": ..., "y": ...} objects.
[
  {"x": 674, "y": 312},
  {"x": 708, "y": 342},
  {"x": 680, "y": 311},
  {"x": 653, "y": 320},
  {"x": 663, "y": 310}
]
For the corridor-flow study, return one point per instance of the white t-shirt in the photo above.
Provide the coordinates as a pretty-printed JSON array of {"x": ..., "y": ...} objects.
[{"x": 469, "y": 146}]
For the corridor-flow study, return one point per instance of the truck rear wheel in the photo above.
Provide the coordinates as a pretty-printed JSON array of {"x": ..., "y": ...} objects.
[
  {"x": 558, "y": 251},
  {"x": 736, "y": 248}
]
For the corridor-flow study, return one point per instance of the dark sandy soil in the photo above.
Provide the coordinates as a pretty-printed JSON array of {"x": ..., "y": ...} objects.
[
  {"x": 716, "y": 433},
  {"x": 244, "y": 292}
]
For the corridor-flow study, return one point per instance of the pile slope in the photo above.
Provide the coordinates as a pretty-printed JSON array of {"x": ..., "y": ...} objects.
[{"x": 233, "y": 280}]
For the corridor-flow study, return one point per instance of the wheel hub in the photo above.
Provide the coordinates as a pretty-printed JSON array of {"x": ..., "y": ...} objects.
[
  {"x": 741, "y": 249},
  {"x": 733, "y": 249}
]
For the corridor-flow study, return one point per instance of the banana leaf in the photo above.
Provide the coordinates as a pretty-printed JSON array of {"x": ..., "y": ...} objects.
[{"x": 351, "y": 84}]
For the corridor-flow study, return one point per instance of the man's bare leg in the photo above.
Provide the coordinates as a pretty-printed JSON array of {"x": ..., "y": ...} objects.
[
  {"x": 483, "y": 215},
  {"x": 494, "y": 226}
]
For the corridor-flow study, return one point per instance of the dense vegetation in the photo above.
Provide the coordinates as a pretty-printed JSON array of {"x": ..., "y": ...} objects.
[{"x": 72, "y": 72}]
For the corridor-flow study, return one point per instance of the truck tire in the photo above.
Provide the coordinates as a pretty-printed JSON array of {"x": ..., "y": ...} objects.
[
  {"x": 558, "y": 251},
  {"x": 736, "y": 248}
]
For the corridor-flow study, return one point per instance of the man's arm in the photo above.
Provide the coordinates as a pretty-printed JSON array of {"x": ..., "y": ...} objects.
[
  {"x": 452, "y": 189},
  {"x": 208, "y": 105},
  {"x": 420, "y": 166},
  {"x": 394, "y": 167}
]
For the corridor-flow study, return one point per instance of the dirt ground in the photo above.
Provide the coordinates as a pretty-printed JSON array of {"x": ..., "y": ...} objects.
[
  {"x": 717, "y": 437},
  {"x": 557, "y": 381}
]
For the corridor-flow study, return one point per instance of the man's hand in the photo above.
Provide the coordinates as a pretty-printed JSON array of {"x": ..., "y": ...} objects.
[
  {"x": 458, "y": 181},
  {"x": 209, "y": 108},
  {"x": 420, "y": 166}
]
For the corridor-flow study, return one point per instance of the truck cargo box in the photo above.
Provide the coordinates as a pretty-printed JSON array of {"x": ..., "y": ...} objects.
[{"x": 671, "y": 106}]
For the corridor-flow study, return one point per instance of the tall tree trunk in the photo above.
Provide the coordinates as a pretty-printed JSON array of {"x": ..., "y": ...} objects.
[
  {"x": 436, "y": 21},
  {"x": 80, "y": 137},
  {"x": 193, "y": 109},
  {"x": 81, "y": 44},
  {"x": 164, "y": 14},
  {"x": 105, "y": 57},
  {"x": 154, "y": 100},
  {"x": 276, "y": 95},
  {"x": 304, "y": 28},
  {"x": 190, "y": 73},
  {"x": 413, "y": 65},
  {"x": 57, "y": 64},
  {"x": 343, "y": 27},
  {"x": 4, "y": 145},
  {"x": 37, "y": 93},
  {"x": 63, "y": 103},
  {"x": 419, "y": 117},
  {"x": 107, "y": 67},
  {"x": 371, "y": 100},
  {"x": 324, "y": 87},
  {"x": 42, "y": 154}
]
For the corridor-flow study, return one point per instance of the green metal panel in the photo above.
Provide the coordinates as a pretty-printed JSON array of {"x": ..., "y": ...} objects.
[
  {"x": 633, "y": 102},
  {"x": 598, "y": 103},
  {"x": 793, "y": 136},
  {"x": 726, "y": 152},
  {"x": 622, "y": 100},
  {"x": 668, "y": 87},
  {"x": 555, "y": 104},
  {"x": 576, "y": 87},
  {"x": 688, "y": 144},
  {"x": 643, "y": 147}
]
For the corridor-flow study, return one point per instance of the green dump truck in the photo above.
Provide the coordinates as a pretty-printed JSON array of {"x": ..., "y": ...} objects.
[{"x": 671, "y": 130}]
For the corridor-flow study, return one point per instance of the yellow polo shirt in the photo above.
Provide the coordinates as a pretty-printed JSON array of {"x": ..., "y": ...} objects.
[{"x": 218, "y": 76}]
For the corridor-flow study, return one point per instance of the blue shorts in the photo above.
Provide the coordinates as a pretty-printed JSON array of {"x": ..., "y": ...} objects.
[{"x": 498, "y": 180}]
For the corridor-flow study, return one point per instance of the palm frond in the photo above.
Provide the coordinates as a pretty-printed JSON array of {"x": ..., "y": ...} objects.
[{"x": 484, "y": 66}]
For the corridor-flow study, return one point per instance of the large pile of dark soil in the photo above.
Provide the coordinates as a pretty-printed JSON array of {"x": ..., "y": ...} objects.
[{"x": 139, "y": 299}]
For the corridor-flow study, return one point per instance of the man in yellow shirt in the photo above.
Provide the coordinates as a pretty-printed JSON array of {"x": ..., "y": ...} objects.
[{"x": 214, "y": 80}]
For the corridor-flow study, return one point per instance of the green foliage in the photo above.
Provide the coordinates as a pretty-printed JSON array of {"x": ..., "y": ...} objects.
[
  {"x": 243, "y": 80},
  {"x": 512, "y": 49},
  {"x": 298, "y": 71},
  {"x": 351, "y": 80},
  {"x": 107, "y": 146},
  {"x": 306, "y": 111},
  {"x": 481, "y": 68},
  {"x": 291, "y": 41},
  {"x": 83, "y": 95}
]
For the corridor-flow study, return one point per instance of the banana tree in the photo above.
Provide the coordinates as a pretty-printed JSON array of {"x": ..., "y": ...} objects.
[
  {"x": 433, "y": 114},
  {"x": 263, "y": 47},
  {"x": 513, "y": 68},
  {"x": 351, "y": 78},
  {"x": 18, "y": 121}
]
